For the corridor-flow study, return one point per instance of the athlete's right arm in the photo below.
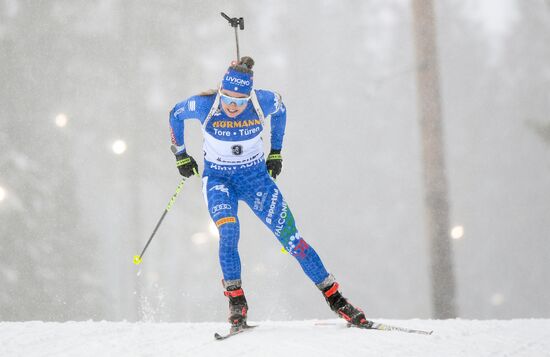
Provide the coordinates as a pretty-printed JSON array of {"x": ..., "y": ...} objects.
[{"x": 196, "y": 107}]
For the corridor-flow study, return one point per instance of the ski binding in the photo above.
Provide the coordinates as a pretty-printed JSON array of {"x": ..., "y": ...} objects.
[{"x": 235, "y": 330}]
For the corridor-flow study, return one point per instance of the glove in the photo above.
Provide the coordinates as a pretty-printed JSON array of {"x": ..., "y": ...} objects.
[
  {"x": 274, "y": 163},
  {"x": 187, "y": 166}
]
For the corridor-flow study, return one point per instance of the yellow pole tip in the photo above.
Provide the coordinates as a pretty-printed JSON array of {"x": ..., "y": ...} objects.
[{"x": 137, "y": 259}]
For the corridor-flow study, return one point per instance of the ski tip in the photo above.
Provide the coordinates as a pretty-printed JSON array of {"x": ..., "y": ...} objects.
[{"x": 421, "y": 332}]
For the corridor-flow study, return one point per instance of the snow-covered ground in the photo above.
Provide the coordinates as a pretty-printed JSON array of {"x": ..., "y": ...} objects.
[{"x": 289, "y": 338}]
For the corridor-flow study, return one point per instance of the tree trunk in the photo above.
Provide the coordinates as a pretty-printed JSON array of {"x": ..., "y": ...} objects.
[{"x": 435, "y": 182}]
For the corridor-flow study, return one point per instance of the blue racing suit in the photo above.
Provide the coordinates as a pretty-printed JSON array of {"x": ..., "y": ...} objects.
[{"x": 235, "y": 170}]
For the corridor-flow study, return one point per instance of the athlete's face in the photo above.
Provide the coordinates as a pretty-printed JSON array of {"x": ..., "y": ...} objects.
[{"x": 233, "y": 103}]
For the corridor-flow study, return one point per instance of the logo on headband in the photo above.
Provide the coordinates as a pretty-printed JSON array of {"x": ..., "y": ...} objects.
[{"x": 238, "y": 81}]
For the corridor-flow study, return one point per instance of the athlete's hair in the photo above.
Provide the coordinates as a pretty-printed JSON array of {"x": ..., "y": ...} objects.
[
  {"x": 244, "y": 66},
  {"x": 208, "y": 92}
]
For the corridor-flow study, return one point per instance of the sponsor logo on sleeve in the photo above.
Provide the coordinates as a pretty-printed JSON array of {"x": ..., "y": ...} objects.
[{"x": 173, "y": 137}]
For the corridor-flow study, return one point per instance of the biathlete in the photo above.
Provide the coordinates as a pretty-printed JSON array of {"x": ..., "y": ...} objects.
[{"x": 233, "y": 118}]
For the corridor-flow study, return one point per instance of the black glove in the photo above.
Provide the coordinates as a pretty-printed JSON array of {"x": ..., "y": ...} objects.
[
  {"x": 186, "y": 165},
  {"x": 274, "y": 163}
]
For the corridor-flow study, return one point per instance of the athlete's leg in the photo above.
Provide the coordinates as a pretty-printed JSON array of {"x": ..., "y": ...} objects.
[
  {"x": 222, "y": 206},
  {"x": 263, "y": 196}
]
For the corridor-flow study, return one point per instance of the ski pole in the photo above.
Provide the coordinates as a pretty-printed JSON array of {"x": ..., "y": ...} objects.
[
  {"x": 234, "y": 22},
  {"x": 137, "y": 258}
]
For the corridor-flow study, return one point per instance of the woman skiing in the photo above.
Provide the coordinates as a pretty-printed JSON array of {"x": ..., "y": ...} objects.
[{"x": 235, "y": 170}]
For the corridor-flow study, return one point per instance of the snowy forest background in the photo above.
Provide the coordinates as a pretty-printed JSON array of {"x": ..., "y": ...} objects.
[{"x": 78, "y": 75}]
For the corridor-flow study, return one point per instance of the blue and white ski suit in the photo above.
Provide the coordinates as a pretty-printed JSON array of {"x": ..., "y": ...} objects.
[{"x": 234, "y": 169}]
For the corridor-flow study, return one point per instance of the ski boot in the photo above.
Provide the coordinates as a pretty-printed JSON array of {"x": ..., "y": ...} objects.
[
  {"x": 238, "y": 307},
  {"x": 340, "y": 305}
]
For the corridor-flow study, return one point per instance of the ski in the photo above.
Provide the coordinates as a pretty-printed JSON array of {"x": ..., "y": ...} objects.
[
  {"x": 379, "y": 326},
  {"x": 234, "y": 331},
  {"x": 384, "y": 327}
]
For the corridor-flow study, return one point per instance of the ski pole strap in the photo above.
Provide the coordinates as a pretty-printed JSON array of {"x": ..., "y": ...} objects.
[
  {"x": 183, "y": 161},
  {"x": 274, "y": 157}
]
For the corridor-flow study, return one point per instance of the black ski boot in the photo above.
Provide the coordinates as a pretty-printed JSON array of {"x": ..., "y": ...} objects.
[
  {"x": 238, "y": 307},
  {"x": 340, "y": 305}
]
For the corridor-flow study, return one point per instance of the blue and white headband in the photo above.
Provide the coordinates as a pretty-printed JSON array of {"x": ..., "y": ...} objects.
[{"x": 237, "y": 81}]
